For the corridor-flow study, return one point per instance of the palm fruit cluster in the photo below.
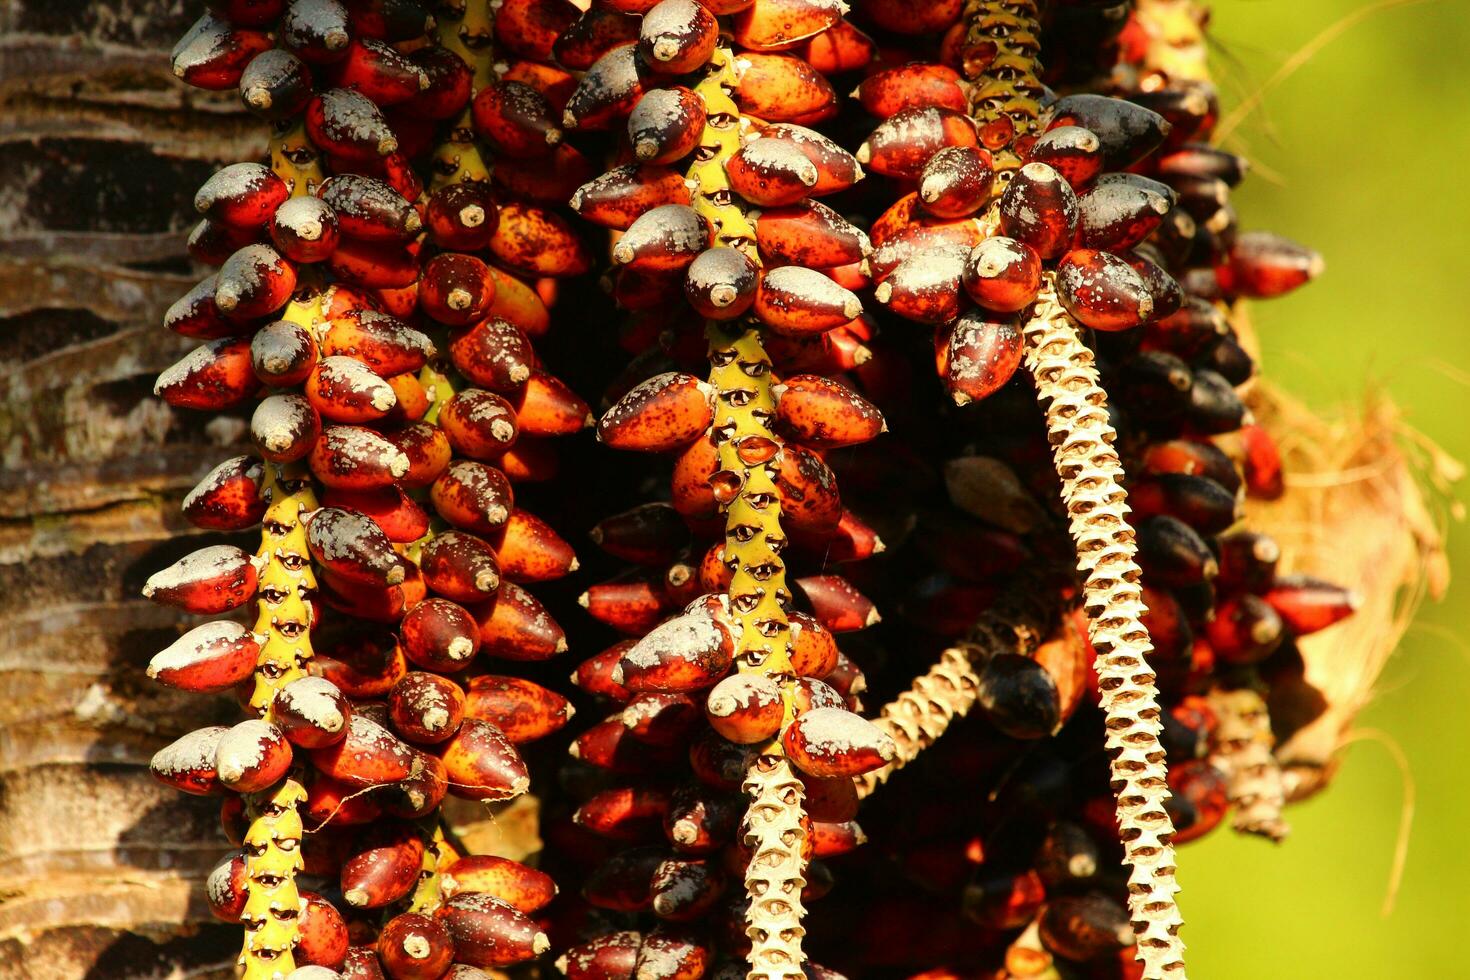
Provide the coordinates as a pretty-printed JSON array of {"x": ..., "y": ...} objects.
[{"x": 1032, "y": 185}]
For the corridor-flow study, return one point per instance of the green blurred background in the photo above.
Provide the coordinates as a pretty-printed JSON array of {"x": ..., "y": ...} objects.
[{"x": 1361, "y": 154}]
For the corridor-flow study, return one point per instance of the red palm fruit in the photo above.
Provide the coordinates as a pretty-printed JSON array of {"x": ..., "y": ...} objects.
[
  {"x": 808, "y": 489},
  {"x": 809, "y": 693},
  {"x": 316, "y": 30},
  {"x": 777, "y": 25},
  {"x": 1002, "y": 275},
  {"x": 836, "y": 604},
  {"x": 374, "y": 265},
  {"x": 522, "y": 710},
  {"x": 449, "y": 84},
  {"x": 1102, "y": 291},
  {"x": 472, "y": 497},
  {"x": 514, "y": 626},
  {"x": 329, "y": 801},
  {"x": 382, "y": 866},
  {"x": 523, "y": 888},
  {"x": 233, "y": 820},
  {"x": 691, "y": 493},
  {"x": 364, "y": 663},
  {"x": 701, "y": 821},
  {"x": 678, "y": 36},
  {"x": 662, "y": 240},
  {"x": 956, "y": 181},
  {"x": 529, "y": 461},
  {"x": 284, "y": 427},
  {"x": 536, "y": 242},
  {"x": 1307, "y": 605},
  {"x": 1071, "y": 151},
  {"x": 834, "y": 839},
  {"x": 1174, "y": 553},
  {"x": 545, "y": 406},
  {"x": 494, "y": 353},
  {"x": 370, "y": 210},
  {"x": 379, "y": 72},
  {"x": 344, "y": 389},
  {"x": 425, "y": 450},
  {"x": 609, "y": 745},
  {"x": 1200, "y": 798},
  {"x": 311, "y": 712},
  {"x": 809, "y": 234},
  {"x": 721, "y": 283},
  {"x": 227, "y": 887},
  {"x": 362, "y": 962},
  {"x": 1214, "y": 405},
  {"x": 661, "y": 719},
  {"x": 275, "y": 85},
  {"x": 1247, "y": 561},
  {"x": 795, "y": 300},
  {"x": 622, "y": 882},
  {"x": 323, "y": 933},
  {"x": 839, "y": 49},
  {"x": 829, "y": 800},
  {"x": 515, "y": 119},
  {"x": 482, "y": 764},
  {"x": 213, "y": 376},
  {"x": 594, "y": 675},
  {"x": 1002, "y": 900},
  {"x": 519, "y": 303},
  {"x": 1167, "y": 625},
  {"x": 210, "y": 580},
  {"x": 666, "y": 124},
  {"x": 824, "y": 413},
  {"x": 783, "y": 88},
  {"x": 677, "y": 956},
  {"x": 376, "y": 603},
  {"x": 241, "y": 196},
  {"x": 1246, "y": 629},
  {"x": 611, "y": 956},
  {"x": 771, "y": 172},
  {"x": 1121, "y": 210},
  {"x": 1195, "y": 329},
  {"x": 718, "y": 763},
  {"x": 837, "y": 169},
  {"x": 904, "y": 18},
  {"x": 415, "y": 947},
  {"x": 684, "y": 889},
  {"x": 600, "y": 29},
  {"x": 490, "y": 932},
  {"x": 461, "y": 216},
  {"x": 686, "y": 653},
  {"x": 1085, "y": 927},
  {"x": 833, "y": 742},
  {"x": 208, "y": 658},
  {"x": 813, "y": 649},
  {"x": 350, "y": 457},
  {"x": 925, "y": 287},
  {"x": 530, "y": 551},
  {"x": 354, "y": 547},
  {"x": 649, "y": 534},
  {"x": 616, "y": 198},
  {"x": 1040, "y": 209},
  {"x": 911, "y": 86},
  {"x": 426, "y": 708},
  {"x": 383, "y": 343},
  {"x": 187, "y": 763},
  {"x": 213, "y": 53},
  {"x": 636, "y": 289},
  {"x": 663, "y": 413},
  {"x": 480, "y": 424},
  {"x": 1199, "y": 501},
  {"x": 395, "y": 512},
  {"x": 902, "y": 144},
  {"x": 420, "y": 794},
  {"x": 1127, "y": 132},
  {"x": 529, "y": 28},
  {"x": 439, "y": 635},
  {"x": 347, "y": 125},
  {"x": 607, "y": 91},
  {"x": 195, "y": 315},
  {"x": 229, "y": 496},
  {"x": 630, "y": 814},
  {"x": 1262, "y": 265},
  {"x": 746, "y": 708},
  {"x": 369, "y": 755},
  {"x": 460, "y": 567},
  {"x": 304, "y": 229},
  {"x": 1019, "y": 697},
  {"x": 252, "y": 756}
]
